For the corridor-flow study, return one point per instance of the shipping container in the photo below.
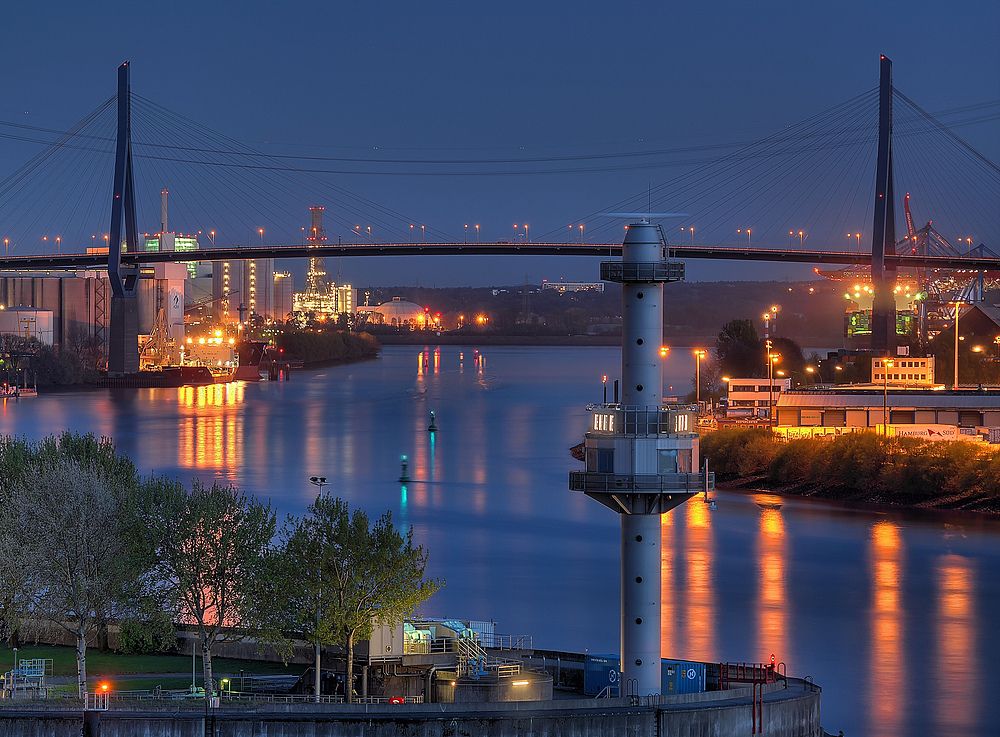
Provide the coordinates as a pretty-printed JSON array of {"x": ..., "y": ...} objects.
[
  {"x": 681, "y": 676},
  {"x": 599, "y": 672}
]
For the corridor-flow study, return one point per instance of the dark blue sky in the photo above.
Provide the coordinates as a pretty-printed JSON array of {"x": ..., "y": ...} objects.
[{"x": 484, "y": 81}]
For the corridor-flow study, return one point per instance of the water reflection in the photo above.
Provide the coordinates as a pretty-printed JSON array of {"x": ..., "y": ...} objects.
[
  {"x": 668, "y": 588},
  {"x": 887, "y": 666},
  {"x": 771, "y": 606},
  {"x": 699, "y": 614},
  {"x": 211, "y": 440},
  {"x": 957, "y": 698}
]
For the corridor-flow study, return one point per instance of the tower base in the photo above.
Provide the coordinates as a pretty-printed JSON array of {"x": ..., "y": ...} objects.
[{"x": 123, "y": 339}]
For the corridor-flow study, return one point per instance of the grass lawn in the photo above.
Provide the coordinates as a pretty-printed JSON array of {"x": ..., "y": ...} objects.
[{"x": 100, "y": 663}]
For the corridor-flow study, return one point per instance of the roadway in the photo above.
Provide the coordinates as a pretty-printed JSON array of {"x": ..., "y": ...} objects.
[{"x": 51, "y": 262}]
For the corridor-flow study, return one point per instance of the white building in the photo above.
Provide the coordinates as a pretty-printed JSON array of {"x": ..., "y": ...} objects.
[
  {"x": 752, "y": 397},
  {"x": 904, "y": 371}
]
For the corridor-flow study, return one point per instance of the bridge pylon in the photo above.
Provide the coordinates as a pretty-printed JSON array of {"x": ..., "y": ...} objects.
[
  {"x": 884, "y": 225},
  {"x": 123, "y": 340},
  {"x": 641, "y": 454}
]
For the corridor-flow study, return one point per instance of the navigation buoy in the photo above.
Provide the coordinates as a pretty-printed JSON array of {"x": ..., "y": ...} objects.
[
  {"x": 404, "y": 473},
  {"x": 433, "y": 426}
]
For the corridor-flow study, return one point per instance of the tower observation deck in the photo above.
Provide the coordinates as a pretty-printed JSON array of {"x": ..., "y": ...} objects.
[{"x": 641, "y": 455}]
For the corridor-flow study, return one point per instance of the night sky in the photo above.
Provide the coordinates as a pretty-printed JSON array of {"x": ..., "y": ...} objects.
[{"x": 481, "y": 83}]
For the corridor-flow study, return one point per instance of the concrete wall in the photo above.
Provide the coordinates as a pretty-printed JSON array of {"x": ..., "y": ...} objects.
[{"x": 794, "y": 713}]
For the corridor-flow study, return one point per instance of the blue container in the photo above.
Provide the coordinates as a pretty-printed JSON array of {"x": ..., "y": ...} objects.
[
  {"x": 682, "y": 676},
  {"x": 600, "y": 671}
]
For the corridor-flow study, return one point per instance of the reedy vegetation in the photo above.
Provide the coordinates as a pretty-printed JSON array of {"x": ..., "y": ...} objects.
[{"x": 864, "y": 467}]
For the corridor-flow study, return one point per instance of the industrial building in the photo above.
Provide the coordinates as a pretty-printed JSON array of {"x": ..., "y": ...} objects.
[
  {"x": 572, "y": 286},
  {"x": 79, "y": 302},
  {"x": 902, "y": 394},
  {"x": 284, "y": 294},
  {"x": 242, "y": 290}
]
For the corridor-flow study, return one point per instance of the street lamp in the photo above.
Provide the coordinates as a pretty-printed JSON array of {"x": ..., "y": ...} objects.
[
  {"x": 260, "y": 232},
  {"x": 772, "y": 358},
  {"x": 811, "y": 371},
  {"x": 477, "y": 232},
  {"x": 887, "y": 364},
  {"x": 582, "y": 229},
  {"x": 958, "y": 308},
  {"x": 740, "y": 231},
  {"x": 319, "y": 481},
  {"x": 211, "y": 236},
  {"x": 698, "y": 355}
]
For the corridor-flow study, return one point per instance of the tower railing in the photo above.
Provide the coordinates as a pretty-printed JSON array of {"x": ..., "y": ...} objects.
[{"x": 690, "y": 483}]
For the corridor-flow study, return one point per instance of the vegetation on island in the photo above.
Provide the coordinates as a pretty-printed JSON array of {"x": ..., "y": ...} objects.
[
  {"x": 315, "y": 345},
  {"x": 87, "y": 542},
  {"x": 860, "y": 467}
]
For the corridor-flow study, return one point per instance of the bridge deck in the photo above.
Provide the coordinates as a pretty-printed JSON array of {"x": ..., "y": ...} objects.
[{"x": 342, "y": 250}]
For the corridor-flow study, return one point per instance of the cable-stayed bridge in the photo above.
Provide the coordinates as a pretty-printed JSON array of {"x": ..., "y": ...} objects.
[{"x": 817, "y": 171}]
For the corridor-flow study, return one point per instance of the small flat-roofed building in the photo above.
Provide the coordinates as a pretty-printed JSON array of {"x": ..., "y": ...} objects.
[{"x": 752, "y": 398}]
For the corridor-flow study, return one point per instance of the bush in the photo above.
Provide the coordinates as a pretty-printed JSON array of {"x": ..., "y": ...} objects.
[{"x": 147, "y": 636}]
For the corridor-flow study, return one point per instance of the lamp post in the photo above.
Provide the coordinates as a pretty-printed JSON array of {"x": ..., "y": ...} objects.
[
  {"x": 958, "y": 308},
  {"x": 698, "y": 355},
  {"x": 772, "y": 358},
  {"x": 887, "y": 364}
]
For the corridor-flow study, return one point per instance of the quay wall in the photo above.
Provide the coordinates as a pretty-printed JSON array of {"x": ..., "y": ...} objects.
[{"x": 791, "y": 713}]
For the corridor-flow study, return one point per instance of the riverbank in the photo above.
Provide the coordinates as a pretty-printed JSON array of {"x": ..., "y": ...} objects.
[{"x": 860, "y": 468}]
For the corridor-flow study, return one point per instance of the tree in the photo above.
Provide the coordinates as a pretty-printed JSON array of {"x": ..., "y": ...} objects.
[
  {"x": 739, "y": 350},
  {"x": 353, "y": 576},
  {"x": 70, "y": 523},
  {"x": 213, "y": 561},
  {"x": 306, "y": 566}
]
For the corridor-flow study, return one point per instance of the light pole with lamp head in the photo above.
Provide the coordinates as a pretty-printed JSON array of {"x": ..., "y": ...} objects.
[
  {"x": 698, "y": 355},
  {"x": 958, "y": 308},
  {"x": 887, "y": 363},
  {"x": 772, "y": 358}
]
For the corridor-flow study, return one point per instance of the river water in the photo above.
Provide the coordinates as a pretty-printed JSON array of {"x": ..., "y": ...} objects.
[{"x": 895, "y": 616}]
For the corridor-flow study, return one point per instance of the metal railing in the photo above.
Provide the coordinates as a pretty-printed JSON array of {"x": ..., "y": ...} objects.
[
  {"x": 689, "y": 483},
  {"x": 506, "y": 642},
  {"x": 439, "y": 646},
  {"x": 653, "y": 271},
  {"x": 474, "y": 661}
]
